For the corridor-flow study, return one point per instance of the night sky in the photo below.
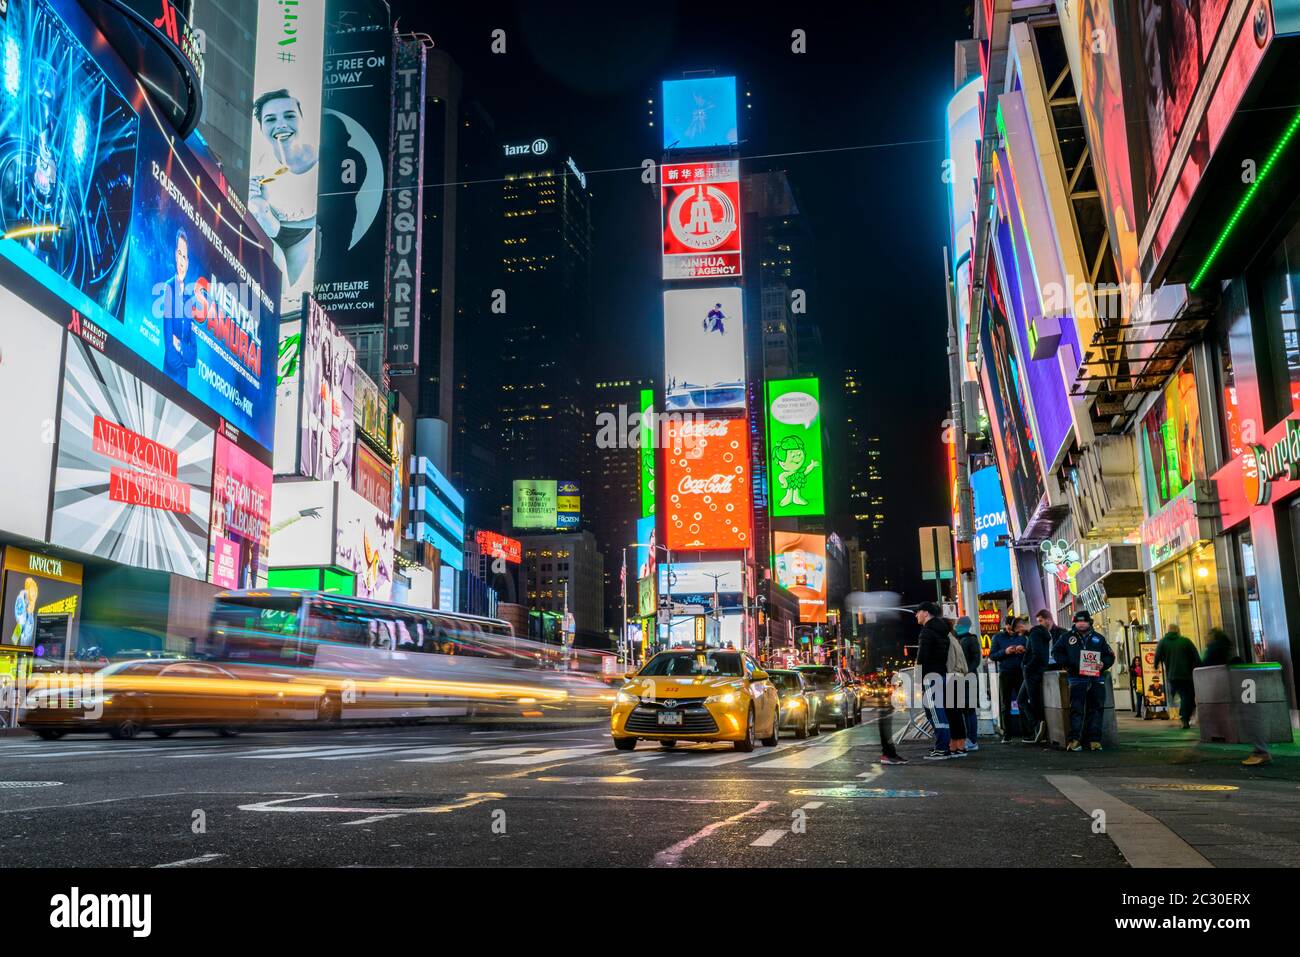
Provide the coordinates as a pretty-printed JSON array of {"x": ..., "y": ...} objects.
[{"x": 857, "y": 121}]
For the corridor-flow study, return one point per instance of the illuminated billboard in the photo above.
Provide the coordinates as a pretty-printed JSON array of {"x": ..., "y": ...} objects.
[
  {"x": 568, "y": 505},
  {"x": 500, "y": 546},
  {"x": 704, "y": 349},
  {"x": 646, "y": 553},
  {"x": 965, "y": 115},
  {"x": 799, "y": 564},
  {"x": 134, "y": 477},
  {"x": 364, "y": 543},
  {"x": 700, "y": 113},
  {"x": 706, "y": 479},
  {"x": 992, "y": 558},
  {"x": 701, "y": 220},
  {"x": 534, "y": 504},
  {"x": 352, "y": 213},
  {"x": 794, "y": 440},
  {"x": 283, "y": 166},
  {"x": 31, "y": 346},
  {"x": 688, "y": 582},
  {"x": 328, "y": 363},
  {"x": 127, "y": 224},
  {"x": 68, "y": 141},
  {"x": 647, "y": 455},
  {"x": 240, "y": 544},
  {"x": 406, "y": 206},
  {"x": 372, "y": 478}
]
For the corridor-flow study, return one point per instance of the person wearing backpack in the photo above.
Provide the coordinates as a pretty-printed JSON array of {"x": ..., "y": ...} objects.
[
  {"x": 969, "y": 639},
  {"x": 934, "y": 656}
]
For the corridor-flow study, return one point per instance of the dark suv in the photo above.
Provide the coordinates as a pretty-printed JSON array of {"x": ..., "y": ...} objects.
[{"x": 837, "y": 699}]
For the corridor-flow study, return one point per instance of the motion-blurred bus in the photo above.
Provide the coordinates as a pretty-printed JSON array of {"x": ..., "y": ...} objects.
[{"x": 379, "y": 660}]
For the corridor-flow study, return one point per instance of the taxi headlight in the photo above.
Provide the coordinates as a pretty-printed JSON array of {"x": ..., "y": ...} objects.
[
  {"x": 727, "y": 697},
  {"x": 793, "y": 703},
  {"x": 624, "y": 698}
]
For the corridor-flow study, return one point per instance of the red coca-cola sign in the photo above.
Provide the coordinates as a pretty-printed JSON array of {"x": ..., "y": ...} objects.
[{"x": 707, "y": 480}]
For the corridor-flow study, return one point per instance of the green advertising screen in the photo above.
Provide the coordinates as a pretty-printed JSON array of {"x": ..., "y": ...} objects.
[
  {"x": 647, "y": 455},
  {"x": 535, "y": 502},
  {"x": 794, "y": 447}
]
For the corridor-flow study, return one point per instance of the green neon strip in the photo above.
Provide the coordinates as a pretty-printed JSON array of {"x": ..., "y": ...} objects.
[{"x": 1245, "y": 200}]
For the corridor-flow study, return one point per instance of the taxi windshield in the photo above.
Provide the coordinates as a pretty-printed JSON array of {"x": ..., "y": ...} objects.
[{"x": 711, "y": 664}]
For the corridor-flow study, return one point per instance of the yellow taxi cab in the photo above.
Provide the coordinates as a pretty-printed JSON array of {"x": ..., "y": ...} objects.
[{"x": 690, "y": 695}]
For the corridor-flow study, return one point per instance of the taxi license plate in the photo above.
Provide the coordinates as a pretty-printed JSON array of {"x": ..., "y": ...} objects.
[{"x": 670, "y": 717}]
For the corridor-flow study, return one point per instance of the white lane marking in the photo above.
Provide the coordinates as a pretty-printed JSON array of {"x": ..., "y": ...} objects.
[
  {"x": 813, "y": 805},
  {"x": 370, "y": 820},
  {"x": 394, "y": 751},
  {"x": 282, "y": 805},
  {"x": 192, "y": 860},
  {"x": 770, "y": 837},
  {"x": 671, "y": 856},
  {"x": 467, "y": 754},
  {"x": 726, "y": 757},
  {"x": 1142, "y": 839},
  {"x": 805, "y": 758},
  {"x": 295, "y": 753},
  {"x": 81, "y": 751},
  {"x": 876, "y": 771},
  {"x": 556, "y": 754}
]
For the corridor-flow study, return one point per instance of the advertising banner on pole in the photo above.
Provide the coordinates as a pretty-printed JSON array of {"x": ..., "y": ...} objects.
[
  {"x": 794, "y": 437},
  {"x": 701, "y": 219},
  {"x": 352, "y": 210},
  {"x": 134, "y": 475},
  {"x": 283, "y": 167}
]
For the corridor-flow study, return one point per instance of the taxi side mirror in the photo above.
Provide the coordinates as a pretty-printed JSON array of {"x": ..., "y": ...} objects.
[
  {"x": 758, "y": 675},
  {"x": 629, "y": 676}
]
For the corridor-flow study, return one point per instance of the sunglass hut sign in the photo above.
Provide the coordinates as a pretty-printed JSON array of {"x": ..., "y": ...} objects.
[{"x": 1272, "y": 463}]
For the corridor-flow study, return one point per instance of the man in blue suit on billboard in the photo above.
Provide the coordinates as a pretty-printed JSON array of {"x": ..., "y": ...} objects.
[{"x": 179, "y": 344}]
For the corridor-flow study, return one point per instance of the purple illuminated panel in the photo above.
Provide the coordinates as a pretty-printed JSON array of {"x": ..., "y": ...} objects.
[{"x": 1049, "y": 400}]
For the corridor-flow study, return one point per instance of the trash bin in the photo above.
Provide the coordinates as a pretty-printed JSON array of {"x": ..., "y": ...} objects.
[
  {"x": 1056, "y": 710},
  {"x": 1229, "y": 709}
]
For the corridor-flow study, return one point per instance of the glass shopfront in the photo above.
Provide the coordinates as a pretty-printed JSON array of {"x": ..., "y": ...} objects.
[{"x": 1187, "y": 594}]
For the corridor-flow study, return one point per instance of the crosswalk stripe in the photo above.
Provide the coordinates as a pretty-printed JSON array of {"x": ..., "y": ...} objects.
[
  {"x": 770, "y": 837},
  {"x": 805, "y": 758},
  {"x": 465, "y": 754},
  {"x": 727, "y": 757},
  {"x": 295, "y": 753},
  {"x": 552, "y": 755}
]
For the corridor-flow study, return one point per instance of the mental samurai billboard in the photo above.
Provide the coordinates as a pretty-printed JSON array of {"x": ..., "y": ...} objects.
[
  {"x": 794, "y": 436},
  {"x": 128, "y": 226},
  {"x": 701, "y": 220}
]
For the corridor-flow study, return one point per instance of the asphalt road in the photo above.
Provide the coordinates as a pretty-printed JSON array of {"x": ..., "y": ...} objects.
[{"x": 562, "y": 796}]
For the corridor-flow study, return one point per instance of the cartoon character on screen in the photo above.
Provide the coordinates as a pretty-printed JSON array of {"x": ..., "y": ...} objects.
[
  {"x": 1064, "y": 562},
  {"x": 25, "y": 613},
  {"x": 793, "y": 469}
]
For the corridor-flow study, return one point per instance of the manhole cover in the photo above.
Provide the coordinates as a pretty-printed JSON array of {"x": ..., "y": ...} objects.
[
  {"x": 850, "y": 792},
  {"x": 1187, "y": 787},
  {"x": 30, "y": 784}
]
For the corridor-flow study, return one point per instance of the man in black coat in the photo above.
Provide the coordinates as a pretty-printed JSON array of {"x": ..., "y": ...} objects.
[
  {"x": 1008, "y": 650},
  {"x": 1037, "y": 659},
  {"x": 1086, "y": 656},
  {"x": 932, "y": 657}
]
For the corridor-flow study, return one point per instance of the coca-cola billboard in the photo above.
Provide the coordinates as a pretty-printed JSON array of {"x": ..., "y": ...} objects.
[{"x": 707, "y": 482}]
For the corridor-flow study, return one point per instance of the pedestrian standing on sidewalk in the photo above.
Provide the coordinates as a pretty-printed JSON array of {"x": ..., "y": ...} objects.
[
  {"x": 1038, "y": 653},
  {"x": 1086, "y": 656},
  {"x": 1008, "y": 650},
  {"x": 1179, "y": 657},
  {"x": 969, "y": 640},
  {"x": 1139, "y": 690},
  {"x": 1219, "y": 650},
  {"x": 932, "y": 661}
]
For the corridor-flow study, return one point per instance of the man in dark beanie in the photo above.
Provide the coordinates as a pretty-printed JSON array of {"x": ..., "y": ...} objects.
[
  {"x": 1086, "y": 656},
  {"x": 932, "y": 659}
]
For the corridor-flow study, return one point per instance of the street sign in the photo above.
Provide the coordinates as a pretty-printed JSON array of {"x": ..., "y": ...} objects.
[{"x": 936, "y": 552}]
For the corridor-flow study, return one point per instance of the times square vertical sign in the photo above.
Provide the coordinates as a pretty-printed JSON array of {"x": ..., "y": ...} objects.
[{"x": 406, "y": 212}]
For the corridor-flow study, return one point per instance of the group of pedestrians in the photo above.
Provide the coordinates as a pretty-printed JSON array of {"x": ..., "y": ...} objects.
[{"x": 949, "y": 657}]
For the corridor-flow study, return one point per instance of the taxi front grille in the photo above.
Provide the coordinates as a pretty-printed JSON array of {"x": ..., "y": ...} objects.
[{"x": 696, "y": 719}]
